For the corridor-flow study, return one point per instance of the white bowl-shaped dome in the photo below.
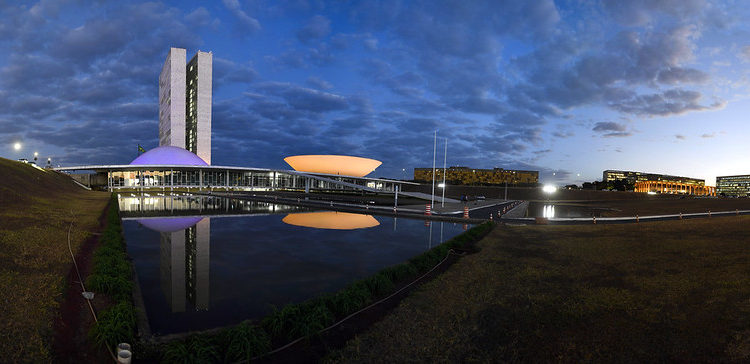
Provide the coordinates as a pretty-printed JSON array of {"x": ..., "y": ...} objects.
[
  {"x": 168, "y": 155},
  {"x": 333, "y": 164}
]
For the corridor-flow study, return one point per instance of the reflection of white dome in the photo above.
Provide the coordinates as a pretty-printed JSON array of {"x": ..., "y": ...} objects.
[
  {"x": 331, "y": 220},
  {"x": 333, "y": 164},
  {"x": 170, "y": 224},
  {"x": 168, "y": 155}
]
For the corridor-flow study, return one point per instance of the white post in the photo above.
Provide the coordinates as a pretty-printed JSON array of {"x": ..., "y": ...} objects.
[
  {"x": 445, "y": 159},
  {"x": 434, "y": 152},
  {"x": 395, "y": 200}
]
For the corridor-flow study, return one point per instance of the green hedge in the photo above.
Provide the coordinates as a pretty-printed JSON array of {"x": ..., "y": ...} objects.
[
  {"x": 306, "y": 319},
  {"x": 111, "y": 275}
]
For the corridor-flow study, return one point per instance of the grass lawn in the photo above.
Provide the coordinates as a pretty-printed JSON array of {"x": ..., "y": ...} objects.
[
  {"x": 664, "y": 206},
  {"x": 662, "y": 291},
  {"x": 36, "y": 208}
]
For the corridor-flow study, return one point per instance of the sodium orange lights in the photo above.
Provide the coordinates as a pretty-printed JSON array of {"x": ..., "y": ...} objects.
[
  {"x": 333, "y": 164},
  {"x": 331, "y": 220}
]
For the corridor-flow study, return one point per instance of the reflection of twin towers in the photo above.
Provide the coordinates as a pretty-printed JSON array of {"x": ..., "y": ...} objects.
[{"x": 185, "y": 249}]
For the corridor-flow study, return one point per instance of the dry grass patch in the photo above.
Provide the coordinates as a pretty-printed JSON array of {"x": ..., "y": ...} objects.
[
  {"x": 36, "y": 208},
  {"x": 666, "y": 291}
]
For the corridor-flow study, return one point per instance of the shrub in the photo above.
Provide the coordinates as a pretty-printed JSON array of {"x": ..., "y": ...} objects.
[
  {"x": 279, "y": 322},
  {"x": 379, "y": 284},
  {"x": 112, "y": 276},
  {"x": 245, "y": 341},
  {"x": 114, "y": 325},
  {"x": 401, "y": 272},
  {"x": 194, "y": 349},
  {"x": 314, "y": 316},
  {"x": 118, "y": 288}
]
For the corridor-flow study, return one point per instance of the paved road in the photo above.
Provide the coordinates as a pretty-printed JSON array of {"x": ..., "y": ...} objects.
[{"x": 624, "y": 220}]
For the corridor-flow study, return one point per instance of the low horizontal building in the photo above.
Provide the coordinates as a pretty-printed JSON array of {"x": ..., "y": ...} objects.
[
  {"x": 475, "y": 176},
  {"x": 675, "y": 188},
  {"x": 634, "y": 176},
  {"x": 167, "y": 168},
  {"x": 733, "y": 185}
]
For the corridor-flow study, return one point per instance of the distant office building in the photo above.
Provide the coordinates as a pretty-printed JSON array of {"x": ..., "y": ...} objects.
[
  {"x": 633, "y": 177},
  {"x": 733, "y": 185},
  {"x": 475, "y": 176},
  {"x": 185, "y": 102}
]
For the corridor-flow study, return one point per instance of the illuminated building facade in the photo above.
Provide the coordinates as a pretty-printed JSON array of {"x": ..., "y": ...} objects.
[
  {"x": 185, "y": 102},
  {"x": 679, "y": 188},
  {"x": 634, "y": 177},
  {"x": 474, "y": 176},
  {"x": 169, "y": 168},
  {"x": 733, "y": 185}
]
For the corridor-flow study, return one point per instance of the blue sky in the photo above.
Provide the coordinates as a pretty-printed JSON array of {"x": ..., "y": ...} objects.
[{"x": 569, "y": 88}]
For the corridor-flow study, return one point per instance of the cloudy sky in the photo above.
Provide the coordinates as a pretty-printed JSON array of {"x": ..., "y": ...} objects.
[{"x": 569, "y": 88}]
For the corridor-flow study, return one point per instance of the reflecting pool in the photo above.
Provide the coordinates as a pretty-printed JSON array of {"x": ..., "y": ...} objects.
[
  {"x": 205, "y": 262},
  {"x": 552, "y": 210}
]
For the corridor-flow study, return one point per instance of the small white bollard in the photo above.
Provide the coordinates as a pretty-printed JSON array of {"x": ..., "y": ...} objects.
[{"x": 124, "y": 355}]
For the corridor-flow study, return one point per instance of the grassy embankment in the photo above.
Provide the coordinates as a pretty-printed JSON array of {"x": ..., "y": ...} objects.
[
  {"x": 36, "y": 208},
  {"x": 664, "y": 291},
  {"x": 306, "y": 319}
]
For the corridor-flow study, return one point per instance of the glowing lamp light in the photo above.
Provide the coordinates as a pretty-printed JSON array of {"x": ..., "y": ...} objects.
[
  {"x": 549, "y": 189},
  {"x": 17, "y": 146},
  {"x": 441, "y": 185}
]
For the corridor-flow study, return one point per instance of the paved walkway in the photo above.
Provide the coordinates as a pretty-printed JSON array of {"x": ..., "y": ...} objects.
[
  {"x": 456, "y": 207},
  {"x": 620, "y": 220},
  {"x": 428, "y": 197}
]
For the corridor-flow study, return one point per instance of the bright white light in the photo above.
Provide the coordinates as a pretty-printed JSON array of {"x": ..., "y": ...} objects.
[
  {"x": 549, "y": 189},
  {"x": 17, "y": 146},
  {"x": 36, "y": 154},
  {"x": 651, "y": 192},
  {"x": 548, "y": 211},
  {"x": 441, "y": 185}
]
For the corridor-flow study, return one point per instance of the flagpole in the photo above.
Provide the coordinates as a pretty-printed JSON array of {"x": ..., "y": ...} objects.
[
  {"x": 434, "y": 151},
  {"x": 445, "y": 159}
]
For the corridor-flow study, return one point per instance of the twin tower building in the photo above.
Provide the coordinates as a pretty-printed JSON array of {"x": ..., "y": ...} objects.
[{"x": 185, "y": 102}]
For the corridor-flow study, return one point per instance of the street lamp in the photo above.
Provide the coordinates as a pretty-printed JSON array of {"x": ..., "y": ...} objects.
[
  {"x": 17, "y": 146},
  {"x": 36, "y": 155}
]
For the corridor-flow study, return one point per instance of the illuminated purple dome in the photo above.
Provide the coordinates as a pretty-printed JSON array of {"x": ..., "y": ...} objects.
[
  {"x": 170, "y": 224},
  {"x": 167, "y": 155}
]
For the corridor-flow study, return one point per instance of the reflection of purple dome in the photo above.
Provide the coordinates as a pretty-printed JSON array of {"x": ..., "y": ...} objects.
[
  {"x": 170, "y": 224},
  {"x": 168, "y": 155}
]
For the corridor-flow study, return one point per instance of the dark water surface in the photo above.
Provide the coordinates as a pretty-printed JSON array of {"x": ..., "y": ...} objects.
[{"x": 210, "y": 262}]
